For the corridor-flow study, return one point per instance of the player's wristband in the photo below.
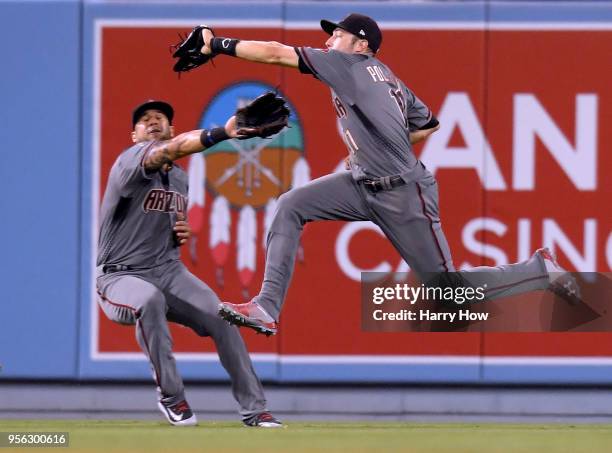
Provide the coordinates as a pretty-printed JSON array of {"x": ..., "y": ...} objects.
[
  {"x": 213, "y": 136},
  {"x": 225, "y": 46}
]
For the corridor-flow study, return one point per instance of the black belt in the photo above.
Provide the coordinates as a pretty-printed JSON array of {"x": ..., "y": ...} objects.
[
  {"x": 384, "y": 183},
  {"x": 108, "y": 268}
]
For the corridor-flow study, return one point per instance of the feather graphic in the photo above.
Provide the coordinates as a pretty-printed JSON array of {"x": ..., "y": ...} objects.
[
  {"x": 195, "y": 203},
  {"x": 219, "y": 235},
  {"x": 246, "y": 247}
]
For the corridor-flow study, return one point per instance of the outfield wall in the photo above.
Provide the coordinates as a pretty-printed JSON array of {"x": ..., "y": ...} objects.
[{"x": 523, "y": 95}]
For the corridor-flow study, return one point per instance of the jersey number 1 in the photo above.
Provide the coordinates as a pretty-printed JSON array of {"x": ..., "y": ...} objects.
[{"x": 397, "y": 94}]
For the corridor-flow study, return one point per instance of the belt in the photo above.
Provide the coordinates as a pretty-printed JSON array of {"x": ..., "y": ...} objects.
[
  {"x": 384, "y": 183},
  {"x": 108, "y": 268}
]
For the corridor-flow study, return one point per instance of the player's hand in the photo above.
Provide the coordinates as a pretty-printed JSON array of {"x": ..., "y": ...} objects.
[
  {"x": 182, "y": 231},
  {"x": 207, "y": 35},
  {"x": 420, "y": 135},
  {"x": 231, "y": 129}
]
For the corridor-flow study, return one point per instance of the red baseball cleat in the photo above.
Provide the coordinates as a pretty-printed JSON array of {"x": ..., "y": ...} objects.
[
  {"x": 562, "y": 282},
  {"x": 249, "y": 315}
]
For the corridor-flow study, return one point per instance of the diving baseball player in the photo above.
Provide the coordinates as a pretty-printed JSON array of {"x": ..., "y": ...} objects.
[
  {"x": 141, "y": 279},
  {"x": 380, "y": 120}
]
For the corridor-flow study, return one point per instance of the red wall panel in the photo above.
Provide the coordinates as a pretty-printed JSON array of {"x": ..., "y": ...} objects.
[{"x": 488, "y": 70}]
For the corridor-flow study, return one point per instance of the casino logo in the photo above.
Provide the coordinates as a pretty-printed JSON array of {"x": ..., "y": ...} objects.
[{"x": 246, "y": 176}]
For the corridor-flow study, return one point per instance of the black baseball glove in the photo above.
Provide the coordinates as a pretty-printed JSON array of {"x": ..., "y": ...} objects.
[
  {"x": 266, "y": 115},
  {"x": 188, "y": 51}
]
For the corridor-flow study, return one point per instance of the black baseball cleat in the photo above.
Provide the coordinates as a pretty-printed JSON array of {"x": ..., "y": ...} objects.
[
  {"x": 178, "y": 414},
  {"x": 263, "y": 420},
  {"x": 249, "y": 315},
  {"x": 562, "y": 283}
]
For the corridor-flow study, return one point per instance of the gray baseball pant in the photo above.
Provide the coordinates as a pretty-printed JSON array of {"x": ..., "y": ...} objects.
[
  {"x": 149, "y": 298},
  {"x": 409, "y": 217}
]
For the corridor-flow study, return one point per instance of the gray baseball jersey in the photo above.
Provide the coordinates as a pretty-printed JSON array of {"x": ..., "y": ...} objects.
[
  {"x": 377, "y": 112},
  {"x": 375, "y": 109},
  {"x": 139, "y": 211}
]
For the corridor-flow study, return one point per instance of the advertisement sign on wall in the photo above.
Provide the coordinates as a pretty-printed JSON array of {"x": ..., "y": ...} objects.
[{"x": 520, "y": 161}]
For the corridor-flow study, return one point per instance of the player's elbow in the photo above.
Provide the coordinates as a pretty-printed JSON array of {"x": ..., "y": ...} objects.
[{"x": 281, "y": 54}]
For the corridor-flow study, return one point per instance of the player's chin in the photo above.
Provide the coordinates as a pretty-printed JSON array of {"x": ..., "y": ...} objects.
[{"x": 156, "y": 136}]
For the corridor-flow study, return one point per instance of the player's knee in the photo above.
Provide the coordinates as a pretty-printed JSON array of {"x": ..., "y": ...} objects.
[
  {"x": 286, "y": 202},
  {"x": 288, "y": 207},
  {"x": 154, "y": 304},
  {"x": 288, "y": 218}
]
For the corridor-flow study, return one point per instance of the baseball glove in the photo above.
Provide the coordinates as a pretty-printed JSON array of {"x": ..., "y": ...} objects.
[
  {"x": 266, "y": 115},
  {"x": 188, "y": 51}
]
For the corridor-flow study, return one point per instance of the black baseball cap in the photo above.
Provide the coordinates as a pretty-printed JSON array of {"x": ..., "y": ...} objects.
[
  {"x": 363, "y": 27},
  {"x": 152, "y": 104}
]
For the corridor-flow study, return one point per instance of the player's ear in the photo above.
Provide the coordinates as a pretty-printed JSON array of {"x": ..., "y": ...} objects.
[
  {"x": 133, "y": 136},
  {"x": 171, "y": 131}
]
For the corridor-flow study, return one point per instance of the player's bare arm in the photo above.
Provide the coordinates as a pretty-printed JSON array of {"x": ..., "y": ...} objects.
[
  {"x": 268, "y": 52},
  {"x": 263, "y": 117},
  {"x": 167, "y": 151}
]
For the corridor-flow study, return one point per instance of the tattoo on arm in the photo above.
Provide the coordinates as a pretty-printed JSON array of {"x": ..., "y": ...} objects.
[
  {"x": 157, "y": 157},
  {"x": 170, "y": 150}
]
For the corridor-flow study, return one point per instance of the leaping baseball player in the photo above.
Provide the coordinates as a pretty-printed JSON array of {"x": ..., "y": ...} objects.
[{"x": 381, "y": 119}]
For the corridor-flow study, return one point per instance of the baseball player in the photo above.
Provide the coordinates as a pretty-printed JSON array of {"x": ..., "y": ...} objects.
[
  {"x": 380, "y": 120},
  {"x": 141, "y": 279}
]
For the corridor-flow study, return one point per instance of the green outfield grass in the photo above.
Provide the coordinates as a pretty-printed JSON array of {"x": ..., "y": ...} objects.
[{"x": 138, "y": 436}]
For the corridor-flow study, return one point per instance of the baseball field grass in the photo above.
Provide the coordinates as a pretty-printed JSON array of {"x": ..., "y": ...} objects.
[{"x": 145, "y": 436}]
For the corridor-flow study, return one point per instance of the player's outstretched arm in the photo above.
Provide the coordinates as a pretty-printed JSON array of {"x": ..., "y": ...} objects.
[
  {"x": 191, "y": 142},
  {"x": 269, "y": 52},
  {"x": 263, "y": 117}
]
